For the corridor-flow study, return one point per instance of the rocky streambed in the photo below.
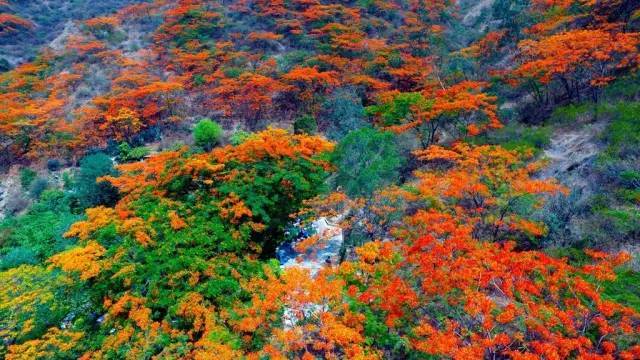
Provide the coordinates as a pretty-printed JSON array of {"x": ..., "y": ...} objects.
[{"x": 324, "y": 252}]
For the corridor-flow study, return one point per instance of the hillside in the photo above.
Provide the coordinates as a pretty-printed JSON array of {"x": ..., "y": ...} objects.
[
  {"x": 41, "y": 22},
  {"x": 311, "y": 179}
]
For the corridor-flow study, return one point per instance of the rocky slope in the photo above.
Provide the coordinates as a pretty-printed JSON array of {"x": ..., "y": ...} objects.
[{"x": 50, "y": 17}]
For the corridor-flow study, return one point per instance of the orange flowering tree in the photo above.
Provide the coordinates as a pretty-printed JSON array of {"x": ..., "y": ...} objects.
[
  {"x": 462, "y": 109},
  {"x": 443, "y": 293},
  {"x": 310, "y": 83},
  {"x": 249, "y": 96},
  {"x": 576, "y": 59},
  {"x": 168, "y": 261},
  {"x": 10, "y": 23},
  {"x": 435, "y": 287},
  {"x": 491, "y": 187}
]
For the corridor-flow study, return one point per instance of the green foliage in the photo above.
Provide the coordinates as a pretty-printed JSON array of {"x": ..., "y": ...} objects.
[
  {"x": 239, "y": 137},
  {"x": 88, "y": 192},
  {"x": 270, "y": 202},
  {"x": 32, "y": 299},
  {"x": 342, "y": 112},
  {"x": 625, "y": 289},
  {"x": 291, "y": 59},
  {"x": 515, "y": 136},
  {"x": 4, "y": 65},
  {"x": 128, "y": 154},
  {"x": 572, "y": 113},
  {"x": 67, "y": 180},
  {"x": 366, "y": 160},
  {"x": 37, "y": 187},
  {"x": 400, "y": 108},
  {"x": 627, "y": 87},
  {"x": 33, "y": 237},
  {"x": 202, "y": 28},
  {"x": 305, "y": 124},
  {"x": 207, "y": 134},
  {"x": 186, "y": 250},
  {"x": 378, "y": 333},
  {"x": 626, "y": 221},
  {"x": 624, "y": 129},
  {"x": 26, "y": 177},
  {"x": 575, "y": 255},
  {"x": 198, "y": 80},
  {"x": 232, "y": 72}
]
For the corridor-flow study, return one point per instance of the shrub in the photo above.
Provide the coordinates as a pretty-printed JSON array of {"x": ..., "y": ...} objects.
[
  {"x": 207, "y": 134},
  {"x": 4, "y": 65},
  {"x": 198, "y": 80},
  {"x": 67, "y": 180},
  {"x": 518, "y": 137},
  {"x": 239, "y": 137},
  {"x": 36, "y": 235},
  {"x": 625, "y": 87},
  {"x": 401, "y": 107},
  {"x": 624, "y": 129},
  {"x": 232, "y": 72},
  {"x": 625, "y": 289},
  {"x": 53, "y": 164},
  {"x": 291, "y": 59},
  {"x": 571, "y": 113},
  {"x": 37, "y": 187},
  {"x": 26, "y": 177},
  {"x": 305, "y": 124},
  {"x": 17, "y": 256},
  {"x": 128, "y": 154}
]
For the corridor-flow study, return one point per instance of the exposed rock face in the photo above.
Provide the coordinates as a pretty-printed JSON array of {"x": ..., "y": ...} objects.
[
  {"x": 572, "y": 153},
  {"x": 12, "y": 198},
  {"x": 70, "y": 28},
  {"x": 474, "y": 10}
]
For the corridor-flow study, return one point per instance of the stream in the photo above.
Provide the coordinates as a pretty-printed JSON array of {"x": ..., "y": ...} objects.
[{"x": 325, "y": 252}]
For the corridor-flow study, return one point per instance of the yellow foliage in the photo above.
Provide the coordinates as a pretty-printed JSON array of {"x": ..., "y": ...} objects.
[
  {"x": 46, "y": 347},
  {"x": 85, "y": 260},
  {"x": 97, "y": 218}
]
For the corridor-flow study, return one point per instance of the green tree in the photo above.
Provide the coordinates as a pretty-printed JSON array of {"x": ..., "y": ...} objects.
[
  {"x": 88, "y": 191},
  {"x": 367, "y": 159},
  {"x": 342, "y": 112},
  {"x": 207, "y": 134}
]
